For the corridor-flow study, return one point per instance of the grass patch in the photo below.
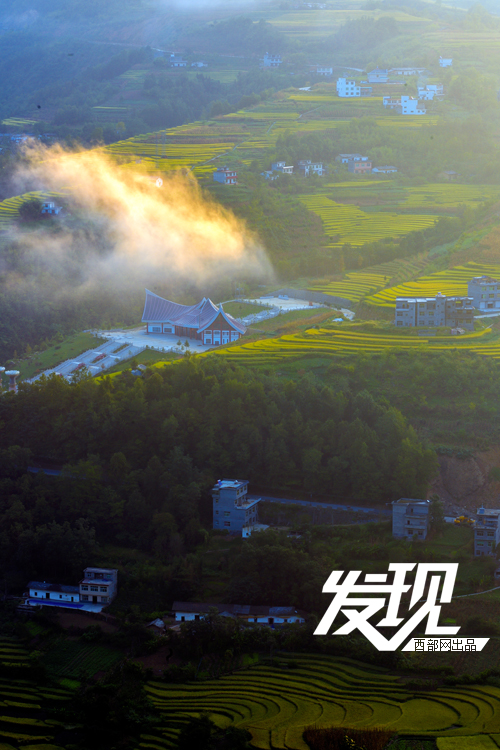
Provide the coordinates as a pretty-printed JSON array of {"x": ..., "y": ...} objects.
[
  {"x": 242, "y": 309},
  {"x": 147, "y": 357},
  {"x": 54, "y": 355}
]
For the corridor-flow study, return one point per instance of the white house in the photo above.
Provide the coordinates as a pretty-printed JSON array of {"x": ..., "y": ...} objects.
[
  {"x": 98, "y": 585},
  {"x": 384, "y": 170},
  {"x": 346, "y": 158},
  {"x": 176, "y": 61},
  {"x": 407, "y": 71},
  {"x": 405, "y": 105},
  {"x": 94, "y": 592},
  {"x": 225, "y": 176},
  {"x": 445, "y": 62},
  {"x": 199, "y": 64},
  {"x": 378, "y": 75},
  {"x": 430, "y": 91},
  {"x": 271, "y": 61},
  {"x": 306, "y": 168},
  {"x": 347, "y": 88},
  {"x": 50, "y": 209},
  {"x": 411, "y": 106},
  {"x": 260, "y": 615},
  {"x": 54, "y": 593},
  {"x": 281, "y": 166},
  {"x": 322, "y": 71}
]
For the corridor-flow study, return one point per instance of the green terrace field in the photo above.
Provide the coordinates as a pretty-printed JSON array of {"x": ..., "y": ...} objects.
[
  {"x": 147, "y": 155},
  {"x": 346, "y": 338},
  {"x": 276, "y": 703},
  {"x": 348, "y": 223},
  {"x": 310, "y": 24},
  {"x": 453, "y": 281},
  {"x": 24, "y": 705},
  {"x": 357, "y": 284},
  {"x": 439, "y": 197},
  {"x": 9, "y": 209}
]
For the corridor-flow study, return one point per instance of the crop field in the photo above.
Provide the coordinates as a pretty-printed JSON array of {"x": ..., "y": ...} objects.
[
  {"x": 344, "y": 339},
  {"x": 349, "y": 223},
  {"x": 9, "y": 209},
  {"x": 24, "y": 705},
  {"x": 275, "y": 704},
  {"x": 147, "y": 156},
  {"x": 72, "y": 659},
  {"x": 357, "y": 284},
  {"x": 452, "y": 281}
]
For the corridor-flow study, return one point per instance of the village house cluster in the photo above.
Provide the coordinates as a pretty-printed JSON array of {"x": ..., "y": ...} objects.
[
  {"x": 455, "y": 312},
  {"x": 95, "y": 591},
  {"x": 411, "y": 518}
]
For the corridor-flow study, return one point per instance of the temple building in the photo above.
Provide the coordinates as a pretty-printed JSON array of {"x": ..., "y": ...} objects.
[{"x": 204, "y": 321}]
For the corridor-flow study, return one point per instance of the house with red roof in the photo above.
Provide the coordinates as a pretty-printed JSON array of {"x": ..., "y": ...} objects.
[{"x": 203, "y": 321}]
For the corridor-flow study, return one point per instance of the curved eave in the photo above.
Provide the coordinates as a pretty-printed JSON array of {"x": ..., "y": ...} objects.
[{"x": 230, "y": 320}]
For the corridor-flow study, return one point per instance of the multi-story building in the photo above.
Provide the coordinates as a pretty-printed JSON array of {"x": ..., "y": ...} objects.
[
  {"x": 232, "y": 510},
  {"x": 225, "y": 176},
  {"x": 98, "y": 585},
  {"x": 321, "y": 70},
  {"x": 350, "y": 88},
  {"x": 359, "y": 166},
  {"x": 281, "y": 166},
  {"x": 410, "y": 517},
  {"x": 405, "y": 105},
  {"x": 486, "y": 531},
  {"x": 485, "y": 292},
  {"x": 430, "y": 91},
  {"x": 306, "y": 168},
  {"x": 271, "y": 61},
  {"x": 435, "y": 311}
]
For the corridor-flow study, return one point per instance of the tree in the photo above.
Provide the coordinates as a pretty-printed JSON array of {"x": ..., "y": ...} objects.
[
  {"x": 30, "y": 210},
  {"x": 436, "y": 515}
]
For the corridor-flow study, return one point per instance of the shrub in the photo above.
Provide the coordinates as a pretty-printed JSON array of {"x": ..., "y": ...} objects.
[{"x": 347, "y": 739}]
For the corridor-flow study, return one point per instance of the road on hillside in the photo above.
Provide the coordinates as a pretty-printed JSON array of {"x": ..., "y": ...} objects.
[{"x": 329, "y": 506}]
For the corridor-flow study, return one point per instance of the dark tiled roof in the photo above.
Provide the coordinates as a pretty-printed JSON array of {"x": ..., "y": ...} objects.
[
  {"x": 252, "y": 610},
  {"x": 200, "y": 316}
]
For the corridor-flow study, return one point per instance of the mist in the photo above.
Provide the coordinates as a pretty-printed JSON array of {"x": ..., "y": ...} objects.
[{"x": 120, "y": 229}]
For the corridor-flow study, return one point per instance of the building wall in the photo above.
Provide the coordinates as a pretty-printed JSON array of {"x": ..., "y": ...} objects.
[
  {"x": 410, "y": 519},
  {"x": 439, "y": 311},
  {"x": 486, "y": 535},
  {"x": 485, "y": 294},
  {"x": 53, "y": 595}
]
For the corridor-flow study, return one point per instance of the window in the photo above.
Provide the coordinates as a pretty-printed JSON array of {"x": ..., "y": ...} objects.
[
  {"x": 85, "y": 588},
  {"x": 94, "y": 588},
  {"x": 85, "y": 598},
  {"x": 156, "y": 329},
  {"x": 216, "y": 512},
  {"x": 227, "y": 513},
  {"x": 103, "y": 588},
  {"x": 104, "y": 599},
  {"x": 227, "y": 523}
]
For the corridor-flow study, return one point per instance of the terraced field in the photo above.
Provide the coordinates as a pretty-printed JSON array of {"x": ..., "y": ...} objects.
[
  {"x": 452, "y": 281},
  {"x": 357, "y": 284},
  {"x": 9, "y": 209},
  {"x": 148, "y": 156},
  {"x": 276, "y": 704},
  {"x": 348, "y": 223},
  {"x": 24, "y": 705},
  {"x": 344, "y": 339}
]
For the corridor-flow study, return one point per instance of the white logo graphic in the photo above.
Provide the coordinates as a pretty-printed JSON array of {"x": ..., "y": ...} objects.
[{"x": 350, "y": 599}]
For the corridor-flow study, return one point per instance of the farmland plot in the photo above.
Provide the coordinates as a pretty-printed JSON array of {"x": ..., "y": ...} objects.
[{"x": 275, "y": 705}]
